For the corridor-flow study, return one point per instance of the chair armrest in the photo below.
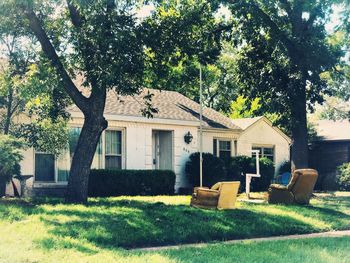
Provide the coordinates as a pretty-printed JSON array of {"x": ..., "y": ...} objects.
[
  {"x": 207, "y": 193},
  {"x": 195, "y": 190},
  {"x": 280, "y": 195},
  {"x": 278, "y": 187}
]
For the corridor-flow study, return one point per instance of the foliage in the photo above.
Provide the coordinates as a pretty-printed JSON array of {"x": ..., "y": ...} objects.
[
  {"x": 343, "y": 177},
  {"x": 219, "y": 85},
  {"x": 10, "y": 157},
  {"x": 233, "y": 169},
  {"x": 270, "y": 38},
  {"x": 104, "y": 183},
  {"x": 282, "y": 50},
  {"x": 239, "y": 166},
  {"x": 213, "y": 169},
  {"x": 334, "y": 108},
  {"x": 30, "y": 88},
  {"x": 50, "y": 136},
  {"x": 240, "y": 109}
]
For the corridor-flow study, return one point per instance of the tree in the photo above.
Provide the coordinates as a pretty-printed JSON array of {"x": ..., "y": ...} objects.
[
  {"x": 27, "y": 86},
  {"x": 219, "y": 86},
  {"x": 283, "y": 49},
  {"x": 111, "y": 49}
]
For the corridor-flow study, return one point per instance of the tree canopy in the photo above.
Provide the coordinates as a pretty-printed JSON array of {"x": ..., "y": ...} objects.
[{"x": 109, "y": 47}]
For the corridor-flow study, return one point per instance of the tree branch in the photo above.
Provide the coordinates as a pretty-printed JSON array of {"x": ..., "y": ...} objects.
[
  {"x": 280, "y": 34},
  {"x": 35, "y": 25},
  {"x": 75, "y": 16}
]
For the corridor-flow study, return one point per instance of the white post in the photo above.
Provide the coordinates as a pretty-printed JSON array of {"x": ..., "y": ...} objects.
[
  {"x": 248, "y": 177},
  {"x": 200, "y": 129}
]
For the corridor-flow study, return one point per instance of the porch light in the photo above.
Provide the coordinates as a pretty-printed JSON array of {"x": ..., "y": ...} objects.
[{"x": 188, "y": 138}]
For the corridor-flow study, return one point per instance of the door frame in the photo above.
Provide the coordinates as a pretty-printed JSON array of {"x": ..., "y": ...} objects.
[{"x": 155, "y": 156}]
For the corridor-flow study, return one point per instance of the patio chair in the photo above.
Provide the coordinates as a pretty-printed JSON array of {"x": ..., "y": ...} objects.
[
  {"x": 299, "y": 189},
  {"x": 222, "y": 195}
]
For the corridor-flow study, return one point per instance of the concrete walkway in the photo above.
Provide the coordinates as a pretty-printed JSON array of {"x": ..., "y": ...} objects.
[{"x": 260, "y": 239}]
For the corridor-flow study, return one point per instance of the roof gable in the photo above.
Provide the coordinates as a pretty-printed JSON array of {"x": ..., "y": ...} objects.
[{"x": 248, "y": 123}]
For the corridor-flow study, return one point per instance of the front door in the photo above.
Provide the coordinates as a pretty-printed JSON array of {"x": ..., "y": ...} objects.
[{"x": 162, "y": 144}]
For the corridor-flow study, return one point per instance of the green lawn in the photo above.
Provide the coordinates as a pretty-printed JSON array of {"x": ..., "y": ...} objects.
[{"x": 47, "y": 230}]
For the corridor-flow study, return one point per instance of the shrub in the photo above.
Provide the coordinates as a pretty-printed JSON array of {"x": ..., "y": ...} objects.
[
  {"x": 213, "y": 169},
  {"x": 267, "y": 170},
  {"x": 238, "y": 166},
  {"x": 10, "y": 156},
  {"x": 105, "y": 183},
  {"x": 343, "y": 177}
]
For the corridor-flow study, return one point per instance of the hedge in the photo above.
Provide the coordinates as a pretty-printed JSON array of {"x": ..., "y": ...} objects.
[
  {"x": 238, "y": 166},
  {"x": 213, "y": 169},
  {"x": 233, "y": 169},
  {"x": 104, "y": 183}
]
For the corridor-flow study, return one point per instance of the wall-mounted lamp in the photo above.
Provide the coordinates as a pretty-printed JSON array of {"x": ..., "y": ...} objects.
[{"x": 188, "y": 138}]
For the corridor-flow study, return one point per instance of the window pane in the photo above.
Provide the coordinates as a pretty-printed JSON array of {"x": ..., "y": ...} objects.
[
  {"x": 268, "y": 151},
  {"x": 44, "y": 167},
  {"x": 113, "y": 142},
  {"x": 63, "y": 166},
  {"x": 113, "y": 162},
  {"x": 97, "y": 161},
  {"x": 215, "y": 151},
  {"x": 224, "y": 145},
  {"x": 74, "y": 134},
  {"x": 259, "y": 149}
]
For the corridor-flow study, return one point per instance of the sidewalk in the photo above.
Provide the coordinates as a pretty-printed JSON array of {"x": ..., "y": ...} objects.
[{"x": 260, "y": 239}]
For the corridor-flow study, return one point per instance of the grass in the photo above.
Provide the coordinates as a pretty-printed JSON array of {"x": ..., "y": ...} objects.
[{"x": 50, "y": 231}]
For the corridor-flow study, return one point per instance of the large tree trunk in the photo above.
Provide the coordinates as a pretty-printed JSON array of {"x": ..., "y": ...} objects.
[
  {"x": 94, "y": 124},
  {"x": 77, "y": 190},
  {"x": 299, "y": 132}
]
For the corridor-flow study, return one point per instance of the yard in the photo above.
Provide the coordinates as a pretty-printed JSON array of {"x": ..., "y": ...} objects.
[{"x": 48, "y": 230}]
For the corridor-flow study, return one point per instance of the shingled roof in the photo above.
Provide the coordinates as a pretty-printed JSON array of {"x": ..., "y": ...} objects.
[
  {"x": 170, "y": 104},
  {"x": 328, "y": 130}
]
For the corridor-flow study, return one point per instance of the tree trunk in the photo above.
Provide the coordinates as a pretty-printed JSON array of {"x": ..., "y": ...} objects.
[
  {"x": 77, "y": 190},
  {"x": 299, "y": 132}
]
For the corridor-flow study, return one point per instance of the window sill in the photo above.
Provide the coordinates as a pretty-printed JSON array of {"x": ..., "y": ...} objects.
[{"x": 50, "y": 185}]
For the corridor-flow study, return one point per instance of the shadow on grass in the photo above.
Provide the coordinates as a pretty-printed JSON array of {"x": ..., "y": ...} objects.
[{"x": 109, "y": 224}]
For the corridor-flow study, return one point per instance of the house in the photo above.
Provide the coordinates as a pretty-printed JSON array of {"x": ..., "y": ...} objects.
[
  {"x": 330, "y": 149},
  {"x": 165, "y": 141}
]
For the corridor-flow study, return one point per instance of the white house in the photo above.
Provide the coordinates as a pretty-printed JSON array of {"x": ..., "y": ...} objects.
[{"x": 132, "y": 141}]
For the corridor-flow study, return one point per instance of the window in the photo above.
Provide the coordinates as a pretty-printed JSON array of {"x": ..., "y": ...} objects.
[
  {"x": 222, "y": 148},
  {"x": 44, "y": 167},
  {"x": 113, "y": 150},
  {"x": 267, "y": 152}
]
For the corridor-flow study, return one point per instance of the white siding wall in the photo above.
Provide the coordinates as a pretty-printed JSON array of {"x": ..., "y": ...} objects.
[
  {"x": 209, "y": 136},
  {"x": 139, "y": 146},
  {"x": 263, "y": 134}
]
